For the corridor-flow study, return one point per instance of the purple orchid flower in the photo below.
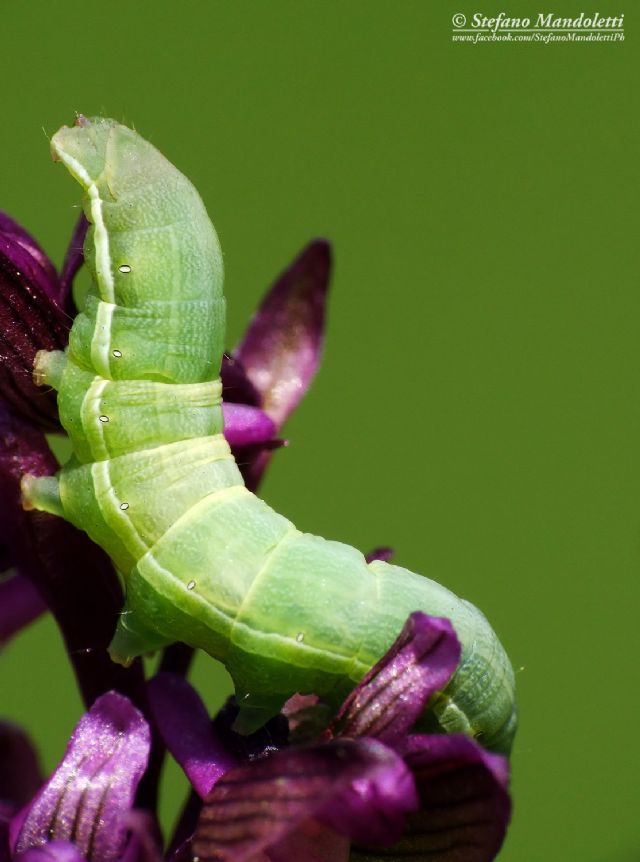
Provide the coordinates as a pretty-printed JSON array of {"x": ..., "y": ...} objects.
[
  {"x": 303, "y": 787},
  {"x": 363, "y": 783}
]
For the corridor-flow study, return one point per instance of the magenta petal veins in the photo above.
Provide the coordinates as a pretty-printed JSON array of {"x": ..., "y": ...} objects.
[
  {"x": 87, "y": 798},
  {"x": 393, "y": 694},
  {"x": 254, "y": 807},
  {"x": 464, "y": 803}
]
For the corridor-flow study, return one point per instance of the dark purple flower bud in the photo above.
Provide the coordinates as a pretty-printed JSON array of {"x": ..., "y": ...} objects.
[
  {"x": 20, "y": 775},
  {"x": 240, "y": 396},
  {"x": 56, "y": 558},
  {"x": 184, "y": 724},
  {"x": 464, "y": 804},
  {"x": 280, "y": 351},
  {"x": 236, "y": 386},
  {"x": 88, "y": 797},
  {"x": 252, "y": 461},
  {"x": 255, "y": 807},
  {"x": 31, "y": 319},
  {"x": 281, "y": 348},
  {"x": 391, "y": 697},
  {"x": 245, "y": 425},
  {"x": 20, "y": 604},
  {"x": 73, "y": 260},
  {"x": 383, "y": 553},
  {"x": 25, "y": 252}
]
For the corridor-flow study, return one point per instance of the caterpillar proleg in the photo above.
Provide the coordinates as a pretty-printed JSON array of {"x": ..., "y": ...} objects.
[{"x": 153, "y": 481}]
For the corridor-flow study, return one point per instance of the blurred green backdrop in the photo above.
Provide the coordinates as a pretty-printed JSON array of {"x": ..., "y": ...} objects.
[{"x": 477, "y": 406}]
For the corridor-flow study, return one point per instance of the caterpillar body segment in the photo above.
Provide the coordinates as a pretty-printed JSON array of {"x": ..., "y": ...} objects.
[{"x": 153, "y": 480}]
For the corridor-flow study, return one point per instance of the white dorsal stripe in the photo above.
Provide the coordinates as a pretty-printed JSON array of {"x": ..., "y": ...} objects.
[
  {"x": 101, "y": 339},
  {"x": 90, "y": 411},
  {"x": 104, "y": 275}
]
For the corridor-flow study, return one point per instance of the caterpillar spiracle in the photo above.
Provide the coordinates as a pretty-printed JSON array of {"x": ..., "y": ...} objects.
[{"x": 153, "y": 482}]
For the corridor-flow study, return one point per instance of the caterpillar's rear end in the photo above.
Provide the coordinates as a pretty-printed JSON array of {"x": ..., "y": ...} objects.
[{"x": 153, "y": 481}]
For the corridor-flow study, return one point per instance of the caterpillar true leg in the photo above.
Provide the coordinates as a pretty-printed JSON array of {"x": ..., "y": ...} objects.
[
  {"x": 48, "y": 368},
  {"x": 43, "y": 493}
]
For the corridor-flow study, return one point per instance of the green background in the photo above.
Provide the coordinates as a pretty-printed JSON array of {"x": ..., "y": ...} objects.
[{"x": 477, "y": 406}]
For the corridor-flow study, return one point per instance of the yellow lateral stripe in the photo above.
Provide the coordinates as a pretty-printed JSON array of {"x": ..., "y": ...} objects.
[
  {"x": 229, "y": 492},
  {"x": 289, "y": 535},
  {"x": 110, "y": 506},
  {"x": 164, "y": 575}
]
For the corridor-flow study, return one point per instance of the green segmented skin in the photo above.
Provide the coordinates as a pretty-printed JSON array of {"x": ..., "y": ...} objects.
[{"x": 153, "y": 481}]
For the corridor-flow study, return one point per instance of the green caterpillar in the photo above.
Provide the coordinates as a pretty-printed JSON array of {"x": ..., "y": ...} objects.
[{"x": 153, "y": 481}]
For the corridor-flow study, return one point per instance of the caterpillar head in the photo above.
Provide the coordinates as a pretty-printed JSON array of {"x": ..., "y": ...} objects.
[{"x": 102, "y": 153}]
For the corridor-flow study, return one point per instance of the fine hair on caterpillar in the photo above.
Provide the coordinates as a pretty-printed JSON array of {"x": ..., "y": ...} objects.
[{"x": 153, "y": 481}]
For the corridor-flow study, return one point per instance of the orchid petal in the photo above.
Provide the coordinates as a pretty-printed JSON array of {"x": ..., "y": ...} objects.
[
  {"x": 245, "y": 425},
  {"x": 184, "y": 724},
  {"x": 53, "y": 851},
  {"x": 6, "y": 560},
  {"x": 89, "y": 795},
  {"x": 311, "y": 841},
  {"x": 393, "y": 694},
  {"x": 20, "y": 604},
  {"x": 464, "y": 805},
  {"x": 257, "y": 806},
  {"x": 6, "y": 810},
  {"x": 74, "y": 257},
  {"x": 281, "y": 348},
  {"x": 145, "y": 841},
  {"x": 20, "y": 775},
  {"x": 373, "y": 809}
]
